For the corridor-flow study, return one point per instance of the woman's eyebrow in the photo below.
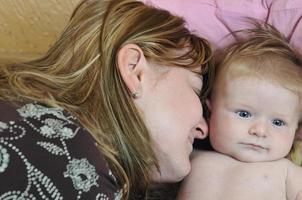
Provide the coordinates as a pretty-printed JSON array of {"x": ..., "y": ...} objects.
[{"x": 198, "y": 70}]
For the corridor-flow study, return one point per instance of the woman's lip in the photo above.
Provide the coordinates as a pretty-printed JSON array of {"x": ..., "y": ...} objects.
[{"x": 191, "y": 140}]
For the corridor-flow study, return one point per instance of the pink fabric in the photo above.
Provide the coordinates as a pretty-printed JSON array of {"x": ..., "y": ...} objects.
[{"x": 214, "y": 19}]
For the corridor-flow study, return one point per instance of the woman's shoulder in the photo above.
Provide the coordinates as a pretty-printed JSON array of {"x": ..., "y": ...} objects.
[{"x": 46, "y": 154}]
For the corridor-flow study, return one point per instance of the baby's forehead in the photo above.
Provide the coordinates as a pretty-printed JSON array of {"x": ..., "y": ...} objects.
[
  {"x": 259, "y": 95},
  {"x": 288, "y": 79},
  {"x": 276, "y": 69}
]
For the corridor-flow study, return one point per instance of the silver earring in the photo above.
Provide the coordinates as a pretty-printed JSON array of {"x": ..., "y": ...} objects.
[{"x": 135, "y": 94}]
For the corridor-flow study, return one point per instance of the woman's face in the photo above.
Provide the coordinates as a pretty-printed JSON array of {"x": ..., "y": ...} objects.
[{"x": 173, "y": 114}]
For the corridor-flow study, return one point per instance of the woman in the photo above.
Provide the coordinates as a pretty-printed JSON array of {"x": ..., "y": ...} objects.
[{"x": 129, "y": 74}]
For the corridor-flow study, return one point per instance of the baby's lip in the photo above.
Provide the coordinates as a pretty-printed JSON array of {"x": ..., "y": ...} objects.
[{"x": 254, "y": 146}]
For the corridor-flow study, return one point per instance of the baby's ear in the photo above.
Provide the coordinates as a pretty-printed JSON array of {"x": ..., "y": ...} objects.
[{"x": 295, "y": 154}]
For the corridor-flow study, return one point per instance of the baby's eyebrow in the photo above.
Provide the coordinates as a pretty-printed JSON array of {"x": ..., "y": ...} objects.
[{"x": 281, "y": 116}]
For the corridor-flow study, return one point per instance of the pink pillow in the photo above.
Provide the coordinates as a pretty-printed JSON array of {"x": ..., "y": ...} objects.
[{"x": 214, "y": 19}]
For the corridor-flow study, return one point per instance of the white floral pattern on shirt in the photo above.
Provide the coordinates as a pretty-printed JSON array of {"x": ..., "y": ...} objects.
[{"x": 53, "y": 125}]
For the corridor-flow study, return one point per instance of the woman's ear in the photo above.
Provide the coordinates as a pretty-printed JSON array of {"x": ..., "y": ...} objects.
[{"x": 130, "y": 63}]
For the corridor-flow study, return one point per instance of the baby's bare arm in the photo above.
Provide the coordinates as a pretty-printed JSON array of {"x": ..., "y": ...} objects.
[{"x": 294, "y": 182}]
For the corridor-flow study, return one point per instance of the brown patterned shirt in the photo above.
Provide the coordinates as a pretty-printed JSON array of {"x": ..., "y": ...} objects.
[{"x": 46, "y": 154}]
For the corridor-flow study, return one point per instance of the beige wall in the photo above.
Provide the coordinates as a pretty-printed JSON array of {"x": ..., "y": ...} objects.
[{"x": 29, "y": 27}]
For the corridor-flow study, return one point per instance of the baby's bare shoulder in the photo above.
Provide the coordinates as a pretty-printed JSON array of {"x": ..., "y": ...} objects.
[{"x": 211, "y": 157}]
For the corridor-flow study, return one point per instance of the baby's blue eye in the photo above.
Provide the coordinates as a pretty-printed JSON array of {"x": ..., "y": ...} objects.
[
  {"x": 278, "y": 122},
  {"x": 244, "y": 114}
]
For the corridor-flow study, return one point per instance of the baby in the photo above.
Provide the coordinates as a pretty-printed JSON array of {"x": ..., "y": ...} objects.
[{"x": 255, "y": 109}]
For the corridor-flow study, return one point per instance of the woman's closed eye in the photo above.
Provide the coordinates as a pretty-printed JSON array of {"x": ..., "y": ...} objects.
[
  {"x": 243, "y": 114},
  {"x": 197, "y": 91}
]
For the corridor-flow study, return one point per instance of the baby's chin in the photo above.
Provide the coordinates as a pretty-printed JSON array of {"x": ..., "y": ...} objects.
[{"x": 253, "y": 158}]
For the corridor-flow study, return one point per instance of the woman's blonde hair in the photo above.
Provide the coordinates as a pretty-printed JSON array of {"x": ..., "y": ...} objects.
[{"x": 79, "y": 73}]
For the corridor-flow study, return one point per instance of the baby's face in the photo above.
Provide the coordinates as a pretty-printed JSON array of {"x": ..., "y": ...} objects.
[{"x": 253, "y": 120}]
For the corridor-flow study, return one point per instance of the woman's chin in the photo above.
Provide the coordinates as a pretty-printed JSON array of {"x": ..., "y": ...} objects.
[{"x": 172, "y": 175}]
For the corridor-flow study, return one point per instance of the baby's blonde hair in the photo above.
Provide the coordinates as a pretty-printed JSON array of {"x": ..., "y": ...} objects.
[{"x": 265, "y": 53}]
